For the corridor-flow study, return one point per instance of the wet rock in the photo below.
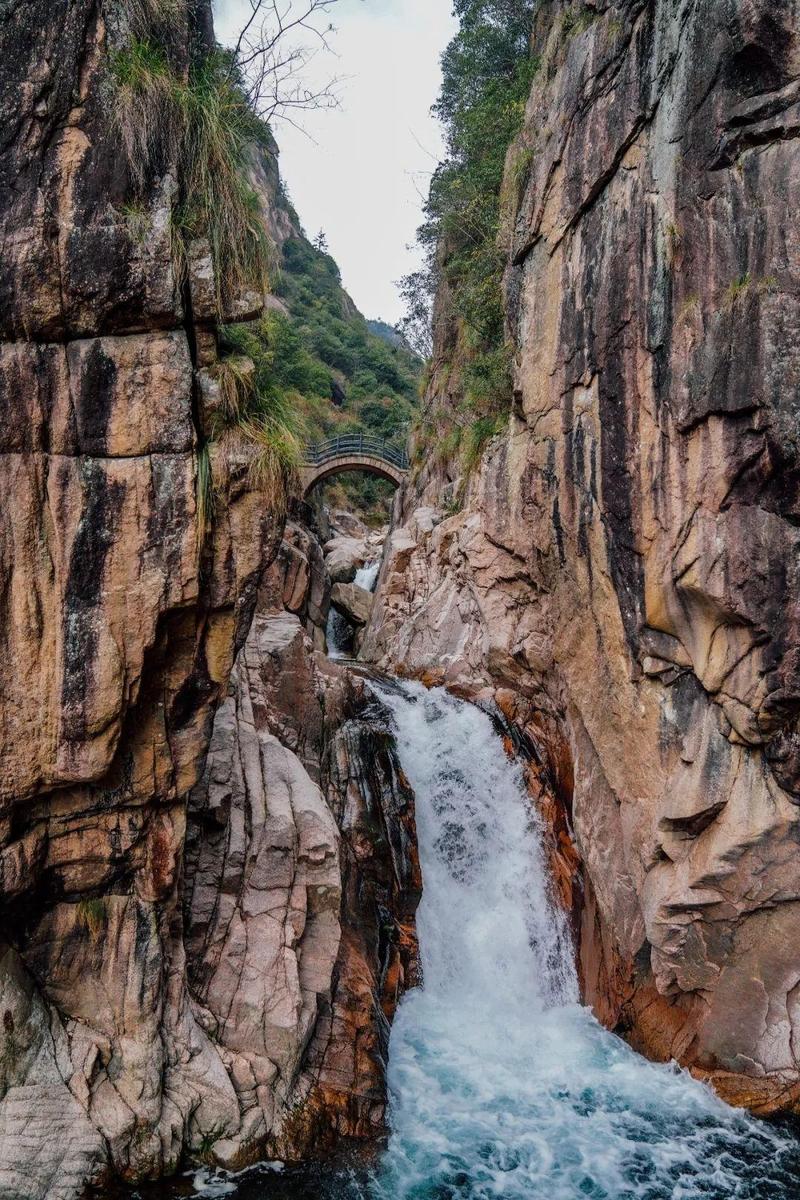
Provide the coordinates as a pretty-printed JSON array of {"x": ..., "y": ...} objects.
[
  {"x": 299, "y": 903},
  {"x": 626, "y": 557},
  {"x": 344, "y": 556}
]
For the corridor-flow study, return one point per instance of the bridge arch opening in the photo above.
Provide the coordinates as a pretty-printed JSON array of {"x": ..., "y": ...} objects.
[{"x": 353, "y": 452}]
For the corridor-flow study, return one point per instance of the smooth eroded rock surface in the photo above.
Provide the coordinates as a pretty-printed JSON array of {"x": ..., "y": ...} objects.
[{"x": 627, "y": 555}]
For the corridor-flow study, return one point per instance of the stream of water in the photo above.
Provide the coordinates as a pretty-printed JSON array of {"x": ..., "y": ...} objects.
[
  {"x": 502, "y": 1084},
  {"x": 339, "y": 633}
]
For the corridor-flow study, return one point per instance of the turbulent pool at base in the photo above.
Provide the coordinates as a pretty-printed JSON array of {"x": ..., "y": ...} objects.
[{"x": 501, "y": 1084}]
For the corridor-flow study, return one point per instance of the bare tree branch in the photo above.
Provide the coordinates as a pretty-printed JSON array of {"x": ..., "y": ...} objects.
[{"x": 272, "y": 54}]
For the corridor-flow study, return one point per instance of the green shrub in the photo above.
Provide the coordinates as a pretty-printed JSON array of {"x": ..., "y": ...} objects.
[
  {"x": 475, "y": 439},
  {"x": 487, "y": 73},
  {"x": 486, "y": 380}
]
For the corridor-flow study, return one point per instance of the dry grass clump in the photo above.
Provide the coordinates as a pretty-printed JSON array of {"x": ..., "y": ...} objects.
[
  {"x": 146, "y": 114},
  {"x": 274, "y": 469},
  {"x": 219, "y": 130},
  {"x": 201, "y": 125},
  {"x": 237, "y": 384},
  {"x": 148, "y": 16}
]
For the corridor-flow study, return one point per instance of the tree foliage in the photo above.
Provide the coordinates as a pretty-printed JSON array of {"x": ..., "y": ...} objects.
[{"x": 487, "y": 73}]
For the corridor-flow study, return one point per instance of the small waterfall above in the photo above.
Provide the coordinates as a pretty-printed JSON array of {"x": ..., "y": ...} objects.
[
  {"x": 367, "y": 576},
  {"x": 339, "y": 632},
  {"x": 501, "y": 1083}
]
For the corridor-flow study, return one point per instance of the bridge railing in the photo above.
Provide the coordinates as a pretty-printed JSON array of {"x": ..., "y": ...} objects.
[{"x": 356, "y": 443}]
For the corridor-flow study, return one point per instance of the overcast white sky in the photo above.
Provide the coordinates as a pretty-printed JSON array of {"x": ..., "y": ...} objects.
[{"x": 361, "y": 176}]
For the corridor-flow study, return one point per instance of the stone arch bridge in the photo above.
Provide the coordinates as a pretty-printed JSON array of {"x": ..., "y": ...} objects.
[{"x": 353, "y": 452}]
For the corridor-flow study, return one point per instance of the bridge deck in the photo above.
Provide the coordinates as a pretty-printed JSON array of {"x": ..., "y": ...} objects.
[
  {"x": 353, "y": 452},
  {"x": 357, "y": 444}
]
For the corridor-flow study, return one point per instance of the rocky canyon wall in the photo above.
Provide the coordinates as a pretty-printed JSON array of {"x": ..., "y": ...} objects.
[
  {"x": 119, "y": 622},
  {"x": 624, "y": 562},
  {"x": 302, "y": 880}
]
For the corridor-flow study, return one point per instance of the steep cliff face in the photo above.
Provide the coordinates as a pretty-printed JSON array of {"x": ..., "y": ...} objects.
[
  {"x": 118, "y": 629},
  {"x": 302, "y": 880},
  {"x": 625, "y": 558}
]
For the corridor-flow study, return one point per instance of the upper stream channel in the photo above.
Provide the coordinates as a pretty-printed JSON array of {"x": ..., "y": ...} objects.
[{"x": 502, "y": 1084}]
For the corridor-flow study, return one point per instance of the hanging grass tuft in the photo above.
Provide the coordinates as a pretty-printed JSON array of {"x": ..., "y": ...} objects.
[
  {"x": 218, "y": 131},
  {"x": 205, "y": 499},
  {"x": 146, "y": 114},
  {"x": 204, "y": 125},
  {"x": 237, "y": 385},
  {"x": 275, "y": 466}
]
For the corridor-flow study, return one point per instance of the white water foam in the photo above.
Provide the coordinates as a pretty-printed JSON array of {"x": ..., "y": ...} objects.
[
  {"x": 367, "y": 576},
  {"x": 501, "y": 1084}
]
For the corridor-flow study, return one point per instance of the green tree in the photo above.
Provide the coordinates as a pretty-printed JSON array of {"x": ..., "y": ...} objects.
[{"x": 487, "y": 71}]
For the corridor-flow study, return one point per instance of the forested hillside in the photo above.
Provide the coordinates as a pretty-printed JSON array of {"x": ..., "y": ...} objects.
[
  {"x": 487, "y": 71},
  {"x": 319, "y": 363}
]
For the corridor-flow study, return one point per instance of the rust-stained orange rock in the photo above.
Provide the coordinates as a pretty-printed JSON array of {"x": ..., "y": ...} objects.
[{"x": 626, "y": 557}]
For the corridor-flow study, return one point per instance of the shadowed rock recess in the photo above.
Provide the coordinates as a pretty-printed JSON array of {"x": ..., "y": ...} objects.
[
  {"x": 624, "y": 561},
  {"x": 119, "y": 630}
]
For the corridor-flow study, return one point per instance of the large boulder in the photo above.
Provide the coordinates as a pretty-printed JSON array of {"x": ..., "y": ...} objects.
[
  {"x": 344, "y": 556},
  {"x": 347, "y": 524},
  {"x": 353, "y": 602}
]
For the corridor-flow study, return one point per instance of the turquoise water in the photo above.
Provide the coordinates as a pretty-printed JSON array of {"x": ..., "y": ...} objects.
[{"x": 502, "y": 1084}]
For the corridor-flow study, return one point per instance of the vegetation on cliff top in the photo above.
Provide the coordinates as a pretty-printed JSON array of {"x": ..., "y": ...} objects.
[
  {"x": 204, "y": 124},
  {"x": 487, "y": 74},
  {"x": 316, "y": 354},
  {"x": 319, "y": 369}
]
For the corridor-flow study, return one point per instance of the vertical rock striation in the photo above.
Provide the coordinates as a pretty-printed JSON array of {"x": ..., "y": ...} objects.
[
  {"x": 626, "y": 557},
  {"x": 117, "y": 632},
  {"x": 299, "y": 901}
]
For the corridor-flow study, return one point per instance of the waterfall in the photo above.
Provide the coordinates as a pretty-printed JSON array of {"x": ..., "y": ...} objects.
[
  {"x": 339, "y": 632},
  {"x": 501, "y": 1083},
  {"x": 367, "y": 577}
]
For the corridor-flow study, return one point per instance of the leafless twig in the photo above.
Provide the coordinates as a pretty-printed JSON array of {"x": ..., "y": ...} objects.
[{"x": 272, "y": 53}]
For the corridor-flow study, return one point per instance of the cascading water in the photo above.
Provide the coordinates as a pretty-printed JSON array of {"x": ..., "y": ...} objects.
[
  {"x": 367, "y": 577},
  {"x": 501, "y": 1084},
  {"x": 338, "y": 632}
]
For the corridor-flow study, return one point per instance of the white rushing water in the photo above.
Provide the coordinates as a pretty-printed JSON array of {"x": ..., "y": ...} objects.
[
  {"x": 338, "y": 633},
  {"x": 501, "y": 1084}
]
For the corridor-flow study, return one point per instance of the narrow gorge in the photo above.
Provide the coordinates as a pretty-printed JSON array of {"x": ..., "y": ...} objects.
[{"x": 401, "y": 761}]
